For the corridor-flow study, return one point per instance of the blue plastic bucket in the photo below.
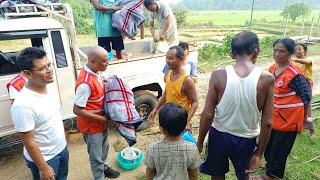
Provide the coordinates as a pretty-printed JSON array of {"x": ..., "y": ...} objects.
[{"x": 187, "y": 136}]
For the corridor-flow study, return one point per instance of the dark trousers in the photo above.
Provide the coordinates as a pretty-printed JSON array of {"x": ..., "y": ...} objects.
[
  {"x": 277, "y": 152},
  {"x": 59, "y": 164}
]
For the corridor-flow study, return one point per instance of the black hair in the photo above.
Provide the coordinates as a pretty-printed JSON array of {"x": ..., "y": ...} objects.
[
  {"x": 244, "y": 43},
  {"x": 184, "y": 45},
  {"x": 173, "y": 118},
  {"x": 147, "y": 3},
  {"x": 288, "y": 43},
  {"x": 304, "y": 46},
  {"x": 179, "y": 51},
  {"x": 26, "y": 57}
]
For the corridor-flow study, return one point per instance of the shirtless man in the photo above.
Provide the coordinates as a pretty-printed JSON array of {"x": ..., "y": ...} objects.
[{"x": 237, "y": 96}]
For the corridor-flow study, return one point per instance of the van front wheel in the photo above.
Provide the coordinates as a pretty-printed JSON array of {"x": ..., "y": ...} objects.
[{"x": 145, "y": 102}]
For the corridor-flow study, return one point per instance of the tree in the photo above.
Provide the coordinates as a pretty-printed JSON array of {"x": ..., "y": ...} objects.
[
  {"x": 181, "y": 15},
  {"x": 296, "y": 10}
]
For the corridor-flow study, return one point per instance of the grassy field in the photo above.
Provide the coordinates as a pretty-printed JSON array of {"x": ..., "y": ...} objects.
[{"x": 236, "y": 18}]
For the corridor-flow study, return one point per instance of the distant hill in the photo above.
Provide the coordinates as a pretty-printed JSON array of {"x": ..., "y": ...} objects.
[{"x": 207, "y": 5}]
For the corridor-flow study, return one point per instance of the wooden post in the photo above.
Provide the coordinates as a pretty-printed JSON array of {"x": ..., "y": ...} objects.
[
  {"x": 318, "y": 23},
  {"x": 302, "y": 26},
  {"x": 285, "y": 27},
  {"x": 142, "y": 31},
  {"x": 251, "y": 15},
  {"x": 310, "y": 32}
]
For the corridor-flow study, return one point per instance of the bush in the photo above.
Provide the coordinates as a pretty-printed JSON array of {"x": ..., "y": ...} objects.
[
  {"x": 218, "y": 52},
  {"x": 82, "y": 11},
  {"x": 214, "y": 51},
  {"x": 181, "y": 15}
]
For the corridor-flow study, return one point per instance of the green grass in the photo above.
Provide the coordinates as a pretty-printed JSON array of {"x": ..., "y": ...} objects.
[{"x": 239, "y": 17}]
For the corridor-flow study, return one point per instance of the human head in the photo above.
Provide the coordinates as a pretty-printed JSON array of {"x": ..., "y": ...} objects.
[
  {"x": 97, "y": 59},
  {"x": 175, "y": 57},
  {"x": 300, "y": 50},
  {"x": 185, "y": 47},
  {"x": 245, "y": 43},
  {"x": 36, "y": 66},
  {"x": 151, "y": 5},
  {"x": 282, "y": 50},
  {"x": 173, "y": 119}
]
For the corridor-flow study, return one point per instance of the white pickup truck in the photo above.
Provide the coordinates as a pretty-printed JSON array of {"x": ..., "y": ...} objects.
[{"x": 54, "y": 32}]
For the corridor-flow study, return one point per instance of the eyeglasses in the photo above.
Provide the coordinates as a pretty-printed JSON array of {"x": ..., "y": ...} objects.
[{"x": 44, "y": 68}]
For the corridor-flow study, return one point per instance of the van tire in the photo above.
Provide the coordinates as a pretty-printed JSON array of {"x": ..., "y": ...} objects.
[{"x": 145, "y": 102}]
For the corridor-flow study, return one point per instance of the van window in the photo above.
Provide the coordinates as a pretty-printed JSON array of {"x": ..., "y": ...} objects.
[
  {"x": 9, "y": 50},
  {"x": 58, "y": 48}
]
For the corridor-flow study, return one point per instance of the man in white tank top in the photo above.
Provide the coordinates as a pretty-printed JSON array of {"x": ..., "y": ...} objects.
[{"x": 238, "y": 95}]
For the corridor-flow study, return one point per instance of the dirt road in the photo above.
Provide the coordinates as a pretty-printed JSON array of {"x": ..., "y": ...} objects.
[{"x": 12, "y": 165}]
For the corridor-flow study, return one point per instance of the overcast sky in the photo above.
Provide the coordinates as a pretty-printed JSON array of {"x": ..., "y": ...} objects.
[{"x": 172, "y": 1}]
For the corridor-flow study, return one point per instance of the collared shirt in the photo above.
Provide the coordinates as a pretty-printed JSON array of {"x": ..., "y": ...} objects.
[
  {"x": 164, "y": 11},
  {"x": 300, "y": 86},
  {"x": 83, "y": 91}
]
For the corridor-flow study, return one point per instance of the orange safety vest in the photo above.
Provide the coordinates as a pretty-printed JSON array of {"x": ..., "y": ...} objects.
[
  {"x": 288, "y": 113},
  {"x": 17, "y": 82},
  {"x": 94, "y": 104}
]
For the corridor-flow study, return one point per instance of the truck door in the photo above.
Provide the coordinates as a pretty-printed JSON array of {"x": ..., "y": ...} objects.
[{"x": 64, "y": 71}]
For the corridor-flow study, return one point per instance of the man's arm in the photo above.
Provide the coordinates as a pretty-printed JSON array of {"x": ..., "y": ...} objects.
[
  {"x": 165, "y": 28},
  {"x": 103, "y": 8},
  {"x": 266, "y": 122},
  {"x": 83, "y": 93},
  {"x": 191, "y": 92},
  {"x": 81, "y": 111},
  {"x": 46, "y": 171},
  {"x": 150, "y": 173},
  {"x": 208, "y": 112},
  {"x": 161, "y": 102},
  {"x": 193, "y": 174},
  {"x": 153, "y": 32}
]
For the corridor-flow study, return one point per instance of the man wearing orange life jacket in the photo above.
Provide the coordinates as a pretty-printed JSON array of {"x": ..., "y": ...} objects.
[
  {"x": 15, "y": 85},
  {"x": 88, "y": 106},
  {"x": 291, "y": 100}
]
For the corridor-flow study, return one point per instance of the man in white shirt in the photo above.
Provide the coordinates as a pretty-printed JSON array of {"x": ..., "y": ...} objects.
[
  {"x": 162, "y": 12},
  {"x": 237, "y": 96},
  {"x": 36, "y": 117}
]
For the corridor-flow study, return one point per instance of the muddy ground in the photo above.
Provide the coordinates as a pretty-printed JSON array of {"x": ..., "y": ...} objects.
[{"x": 12, "y": 165}]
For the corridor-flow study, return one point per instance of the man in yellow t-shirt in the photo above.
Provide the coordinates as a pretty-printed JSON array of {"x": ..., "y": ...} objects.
[
  {"x": 180, "y": 87},
  {"x": 305, "y": 64}
]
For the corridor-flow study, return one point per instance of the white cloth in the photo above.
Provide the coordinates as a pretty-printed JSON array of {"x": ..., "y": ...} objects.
[
  {"x": 40, "y": 112},
  {"x": 83, "y": 91},
  {"x": 164, "y": 11},
  {"x": 13, "y": 92},
  {"x": 237, "y": 113}
]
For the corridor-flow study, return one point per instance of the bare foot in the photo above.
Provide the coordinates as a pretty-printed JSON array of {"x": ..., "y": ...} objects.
[{"x": 312, "y": 136}]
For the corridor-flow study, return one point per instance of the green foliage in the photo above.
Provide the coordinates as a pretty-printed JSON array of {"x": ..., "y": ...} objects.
[
  {"x": 266, "y": 44},
  {"x": 82, "y": 12},
  {"x": 218, "y": 52},
  {"x": 214, "y": 51},
  {"x": 296, "y": 10},
  {"x": 181, "y": 15}
]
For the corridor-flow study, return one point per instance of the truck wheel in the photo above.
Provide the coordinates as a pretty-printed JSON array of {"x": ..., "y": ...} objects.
[{"x": 144, "y": 103}]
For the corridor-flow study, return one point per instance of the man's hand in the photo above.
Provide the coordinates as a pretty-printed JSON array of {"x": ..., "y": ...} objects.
[
  {"x": 187, "y": 126},
  {"x": 152, "y": 116},
  {"x": 117, "y": 8},
  {"x": 254, "y": 164},
  {"x": 155, "y": 39},
  {"x": 200, "y": 147},
  {"x": 47, "y": 173},
  {"x": 162, "y": 37}
]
